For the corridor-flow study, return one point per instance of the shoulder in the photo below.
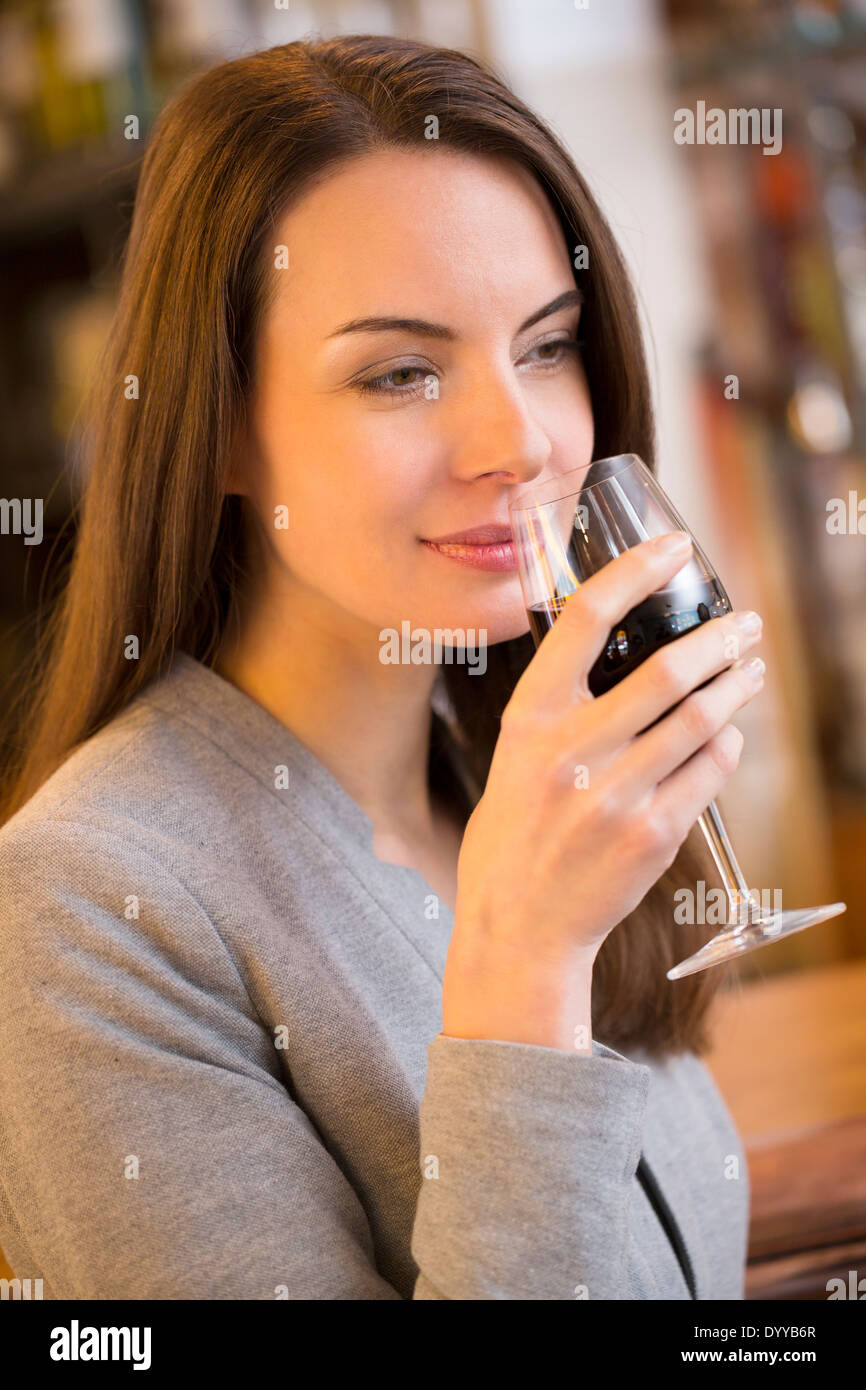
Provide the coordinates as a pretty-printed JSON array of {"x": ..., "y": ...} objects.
[
  {"x": 164, "y": 771},
  {"x": 114, "y": 844},
  {"x": 102, "y": 920}
]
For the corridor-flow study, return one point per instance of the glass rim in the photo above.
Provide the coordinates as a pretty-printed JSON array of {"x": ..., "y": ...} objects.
[{"x": 534, "y": 494}]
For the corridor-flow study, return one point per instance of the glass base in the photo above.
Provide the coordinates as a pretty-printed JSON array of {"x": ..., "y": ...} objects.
[{"x": 761, "y": 931}]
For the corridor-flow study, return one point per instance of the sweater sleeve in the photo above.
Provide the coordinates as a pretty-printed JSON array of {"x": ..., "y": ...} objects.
[
  {"x": 528, "y": 1158},
  {"x": 149, "y": 1149}
]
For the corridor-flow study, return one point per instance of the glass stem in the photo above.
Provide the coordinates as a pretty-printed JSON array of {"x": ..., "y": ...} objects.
[{"x": 741, "y": 906}]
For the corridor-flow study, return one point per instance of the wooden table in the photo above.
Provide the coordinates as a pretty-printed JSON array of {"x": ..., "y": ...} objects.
[{"x": 789, "y": 1057}]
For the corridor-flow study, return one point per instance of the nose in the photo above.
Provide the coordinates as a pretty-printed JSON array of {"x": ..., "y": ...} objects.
[{"x": 495, "y": 433}]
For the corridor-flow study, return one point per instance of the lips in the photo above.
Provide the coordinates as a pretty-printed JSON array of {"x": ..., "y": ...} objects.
[
  {"x": 488, "y": 548},
  {"x": 477, "y": 535}
]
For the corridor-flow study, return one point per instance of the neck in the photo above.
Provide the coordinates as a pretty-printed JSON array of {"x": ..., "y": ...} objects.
[{"x": 316, "y": 669}]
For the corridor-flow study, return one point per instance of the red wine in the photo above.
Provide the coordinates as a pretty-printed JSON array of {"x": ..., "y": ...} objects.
[{"x": 660, "y": 619}]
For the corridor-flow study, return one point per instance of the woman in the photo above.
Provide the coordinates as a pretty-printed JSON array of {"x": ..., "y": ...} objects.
[{"x": 275, "y": 902}]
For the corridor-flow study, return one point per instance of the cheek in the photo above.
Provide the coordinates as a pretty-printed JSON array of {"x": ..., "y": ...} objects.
[
  {"x": 364, "y": 488},
  {"x": 353, "y": 496},
  {"x": 571, "y": 428}
]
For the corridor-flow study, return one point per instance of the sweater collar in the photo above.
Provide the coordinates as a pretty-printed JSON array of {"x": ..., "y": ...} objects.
[{"x": 197, "y": 694}]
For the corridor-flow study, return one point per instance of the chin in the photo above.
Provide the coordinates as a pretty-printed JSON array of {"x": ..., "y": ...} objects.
[
  {"x": 504, "y": 629},
  {"x": 499, "y": 622},
  {"x": 498, "y": 613},
  {"x": 503, "y": 615}
]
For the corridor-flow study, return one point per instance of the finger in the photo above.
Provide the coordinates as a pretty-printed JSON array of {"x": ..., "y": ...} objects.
[
  {"x": 670, "y": 674},
  {"x": 686, "y": 793},
  {"x": 655, "y": 754},
  {"x": 557, "y": 674}
]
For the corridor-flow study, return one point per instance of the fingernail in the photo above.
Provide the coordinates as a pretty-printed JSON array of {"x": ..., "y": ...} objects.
[
  {"x": 755, "y": 668},
  {"x": 748, "y": 622},
  {"x": 672, "y": 542}
]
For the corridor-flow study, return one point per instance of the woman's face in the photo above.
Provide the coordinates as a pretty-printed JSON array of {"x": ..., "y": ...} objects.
[{"x": 380, "y": 439}]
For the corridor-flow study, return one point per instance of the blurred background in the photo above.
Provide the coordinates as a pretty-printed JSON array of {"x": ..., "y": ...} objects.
[{"x": 751, "y": 273}]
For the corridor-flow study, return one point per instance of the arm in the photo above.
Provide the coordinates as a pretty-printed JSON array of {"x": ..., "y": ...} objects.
[{"x": 537, "y": 1151}]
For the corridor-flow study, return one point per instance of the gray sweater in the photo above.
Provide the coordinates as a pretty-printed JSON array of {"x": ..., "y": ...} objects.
[{"x": 221, "y": 1070}]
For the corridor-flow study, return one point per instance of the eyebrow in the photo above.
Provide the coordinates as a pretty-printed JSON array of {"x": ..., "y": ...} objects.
[{"x": 568, "y": 300}]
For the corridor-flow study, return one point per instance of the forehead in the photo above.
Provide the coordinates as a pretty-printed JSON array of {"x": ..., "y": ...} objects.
[{"x": 437, "y": 232}]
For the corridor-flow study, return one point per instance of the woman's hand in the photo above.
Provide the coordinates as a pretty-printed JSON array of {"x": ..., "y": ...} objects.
[{"x": 586, "y": 805}]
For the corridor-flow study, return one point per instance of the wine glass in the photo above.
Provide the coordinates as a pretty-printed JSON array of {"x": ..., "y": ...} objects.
[{"x": 568, "y": 528}]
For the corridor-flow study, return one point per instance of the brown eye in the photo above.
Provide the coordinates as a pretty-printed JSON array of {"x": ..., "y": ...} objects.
[
  {"x": 562, "y": 347},
  {"x": 394, "y": 383}
]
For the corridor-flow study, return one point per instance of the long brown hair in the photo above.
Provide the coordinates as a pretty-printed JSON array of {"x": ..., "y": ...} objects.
[{"x": 161, "y": 550}]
